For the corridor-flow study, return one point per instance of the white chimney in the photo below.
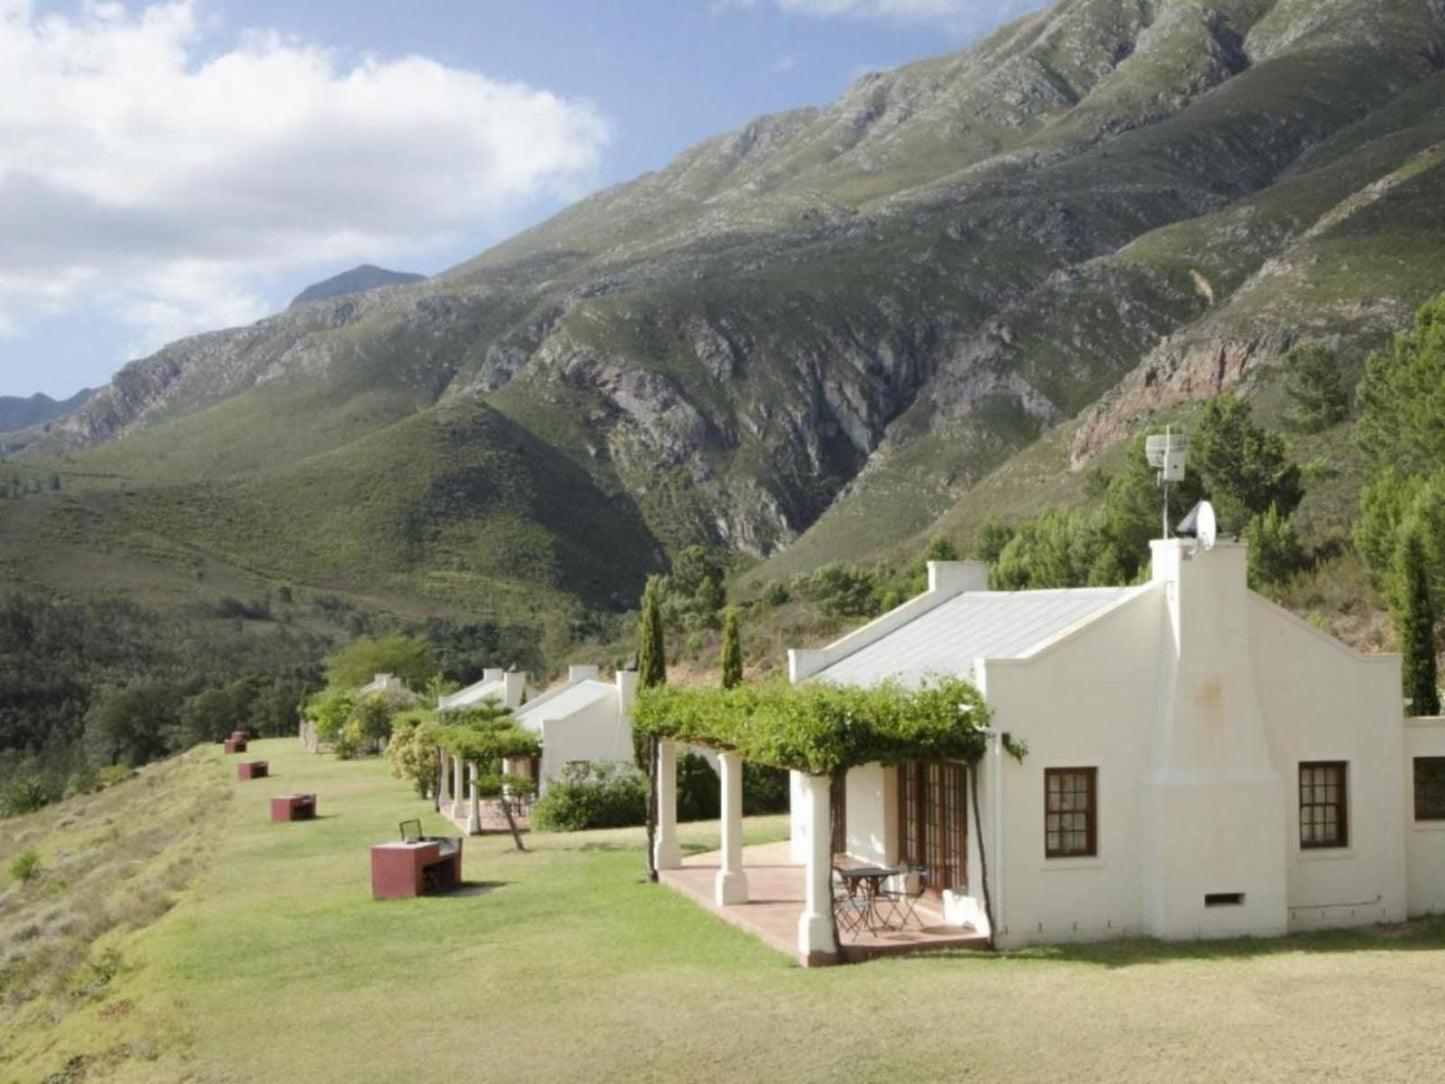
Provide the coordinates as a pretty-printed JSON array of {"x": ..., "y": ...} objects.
[
  {"x": 1214, "y": 800},
  {"x": 626, "y": 689},
  {"x": 957, "y": 576},
  {"x": 514, "y": 688}
]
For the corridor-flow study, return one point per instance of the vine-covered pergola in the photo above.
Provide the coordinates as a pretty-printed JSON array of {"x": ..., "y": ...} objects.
[
  {"x": 815, "y": 729},
  {"x": 477, "y": 748}
]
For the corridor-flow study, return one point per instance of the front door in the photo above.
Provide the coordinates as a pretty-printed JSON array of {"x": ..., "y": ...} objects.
[{"x": 933, "y": 821}]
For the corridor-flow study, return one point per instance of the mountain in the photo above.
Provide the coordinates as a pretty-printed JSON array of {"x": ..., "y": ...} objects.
[
  {"x": 807, "y": 339},
  {"x": 21, "y": 413},
  {"x": 357, "y": 280}
]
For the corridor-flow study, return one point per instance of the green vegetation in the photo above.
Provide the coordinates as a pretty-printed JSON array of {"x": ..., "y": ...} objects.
[
  {"x": 732, "y": 651},
  {"x": 821, "y": 728},
  {"x": 1315, "y": 388},
  {"x": 406, "y": 657},
  {"x": 1416, "y": 620},
  {"x": 1402, "y": 508},
  {"x": 598, "y": 796},
  {"x": 25, "y": 866}
]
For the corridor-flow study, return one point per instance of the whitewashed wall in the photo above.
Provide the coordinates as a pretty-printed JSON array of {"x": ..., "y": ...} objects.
[
  {"x": 1424, "y": 840},
  {"x": 1322, "y": 701}
]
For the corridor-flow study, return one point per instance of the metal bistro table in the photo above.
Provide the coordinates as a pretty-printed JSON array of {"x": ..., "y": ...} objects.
[{"x": 865, "y": 883}]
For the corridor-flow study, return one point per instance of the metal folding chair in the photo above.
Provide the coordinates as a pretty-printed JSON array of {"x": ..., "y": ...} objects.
[
  {"x": 851, "y": 912},
  {"x": 902, "y": 902}
]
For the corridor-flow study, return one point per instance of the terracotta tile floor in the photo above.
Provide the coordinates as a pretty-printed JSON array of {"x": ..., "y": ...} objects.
[{"x": 775, "y": 899}]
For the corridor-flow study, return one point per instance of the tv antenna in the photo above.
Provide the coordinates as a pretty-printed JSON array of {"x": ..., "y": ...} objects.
[{"x": 1167, "y": 452}]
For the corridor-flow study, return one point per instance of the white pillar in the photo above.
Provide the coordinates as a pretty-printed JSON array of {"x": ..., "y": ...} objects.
[
  {"x": 666, "y": 853},
  {"x": 815, "y": 924},
  {"x": 474, "y": 804},
  {"x": 441, "y": 778},
  {"x": 459, "y": 787},
  {"x": 732, "y": 882}
]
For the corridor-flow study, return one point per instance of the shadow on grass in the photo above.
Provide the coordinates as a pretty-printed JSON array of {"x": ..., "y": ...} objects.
[
  {"x": 1417, "y": 935},
  {"x": 474, "y": 888}
]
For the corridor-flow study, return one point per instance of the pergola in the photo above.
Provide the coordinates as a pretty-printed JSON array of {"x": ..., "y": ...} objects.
[{"x": 814, "y": 730}]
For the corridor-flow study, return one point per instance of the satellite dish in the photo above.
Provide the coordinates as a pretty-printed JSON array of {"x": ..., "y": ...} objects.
[{"x": 1206, "y": 527}]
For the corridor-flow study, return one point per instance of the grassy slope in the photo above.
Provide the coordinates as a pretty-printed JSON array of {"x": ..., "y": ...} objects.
[{"x": 276, "y": 966}]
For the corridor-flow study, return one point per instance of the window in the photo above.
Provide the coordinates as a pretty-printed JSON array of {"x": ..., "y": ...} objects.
[
  {"x": 1323, "y": 818},
  {"x": 1070, "y": 812},
  {"x": 1430, "y": 788}
]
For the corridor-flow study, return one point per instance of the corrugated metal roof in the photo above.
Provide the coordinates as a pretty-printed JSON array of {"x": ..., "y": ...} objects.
[
  {"x": 474, "y": 694},
  {"x": 560, "y": 703},
  {"x": 976, "y": 624}
]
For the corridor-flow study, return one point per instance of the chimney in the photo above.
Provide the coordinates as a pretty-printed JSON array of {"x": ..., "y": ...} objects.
[
  {"x": 514, "y": 688},
  {"x": 577, "y": 672},
  {"x": 626, "y": 689},
  {"x": 957, "y": 576},
  {"x": 1214, "y": 800}
]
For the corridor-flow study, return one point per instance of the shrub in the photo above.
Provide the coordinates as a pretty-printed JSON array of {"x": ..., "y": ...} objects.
[
  {"x": 775, "y": 594},
  {"x": 1275, "y": 551},
  {"x": 602, "y": 796},
  {"x": 25, "y": 796},
  {"x": 25, "y": 866},
  {"x": 412, "y": 750},
  {"x": 765, "y": 789}
]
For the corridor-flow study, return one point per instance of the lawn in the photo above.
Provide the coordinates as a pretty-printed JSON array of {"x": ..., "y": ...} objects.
[{"x": 274, "y": 965}]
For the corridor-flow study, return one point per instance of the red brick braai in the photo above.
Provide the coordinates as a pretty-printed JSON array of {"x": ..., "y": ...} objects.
[
  {"x": 293, "y": 807},
  {"x": 399, "y": 870}
]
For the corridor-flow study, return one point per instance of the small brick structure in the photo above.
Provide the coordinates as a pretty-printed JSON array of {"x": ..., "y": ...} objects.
[
  {"x": 252, "y": 769},
  {"x": 403, "y": 870},
  {"x": 234, "y": 745},
  {"x": 293, "y": 807}
]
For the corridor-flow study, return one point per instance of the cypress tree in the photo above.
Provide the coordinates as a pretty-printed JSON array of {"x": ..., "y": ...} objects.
[
  {"x": 651, "y": 672},
  {"x": 732, "y": 651},
  {"x": 1415, "y": 621},
  {"x": 651, "y": 657}
]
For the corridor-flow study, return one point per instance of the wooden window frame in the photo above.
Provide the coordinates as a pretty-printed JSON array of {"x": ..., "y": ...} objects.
[
  {"x": 1427, "y": 816},
  {"x": 1091, "y": 813},
  {"x": 1341, "y": 805}
]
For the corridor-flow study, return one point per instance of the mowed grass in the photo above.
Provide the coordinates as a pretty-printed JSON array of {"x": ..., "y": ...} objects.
[{"x": 562, "y": 964}]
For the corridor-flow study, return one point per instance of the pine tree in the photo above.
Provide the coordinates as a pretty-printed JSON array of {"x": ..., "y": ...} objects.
[
  {"x": 1415, "y": 621},
  {"x": 652, "y": 671},
  {"x": 732, "y": 651}
]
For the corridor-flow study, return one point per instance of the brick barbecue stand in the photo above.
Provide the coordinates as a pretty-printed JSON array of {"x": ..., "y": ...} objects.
[
  {"x": 399, "y": 870},
  {"x": 252, "y": 769},
  {"x": 293, "y": 807},
  {"x": 236, "y": 743}
]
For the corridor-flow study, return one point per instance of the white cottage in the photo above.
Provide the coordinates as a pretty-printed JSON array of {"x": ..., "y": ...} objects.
[
  {"x": 582, "y": 721},
  {"x": 1200, "y": 763}
]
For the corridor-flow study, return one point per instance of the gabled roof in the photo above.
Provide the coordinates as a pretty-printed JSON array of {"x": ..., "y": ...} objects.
[
  {"x": 474, "y": 694},
  {"x": 560, "y": 702},
  {"x": 947, "y": 638}
]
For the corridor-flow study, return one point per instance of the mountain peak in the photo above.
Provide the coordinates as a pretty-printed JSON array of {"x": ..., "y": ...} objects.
[{"x": 358, "y": 280}]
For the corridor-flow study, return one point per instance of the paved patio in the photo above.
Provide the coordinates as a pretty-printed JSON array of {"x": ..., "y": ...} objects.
[{"x": 775, "y": 899}]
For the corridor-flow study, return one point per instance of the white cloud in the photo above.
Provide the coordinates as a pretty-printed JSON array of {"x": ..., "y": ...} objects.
[
  {"x": 149, "y": 169},
  {"x": 785, "y": 63},
  {"x": 957, "y": 15}
]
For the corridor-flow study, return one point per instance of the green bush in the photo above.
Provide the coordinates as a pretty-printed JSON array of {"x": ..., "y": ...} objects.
[
  {"x": 25, "y": 866},
  {"x": 601, "y": 796},
  {"x": 25, "y": 796}
]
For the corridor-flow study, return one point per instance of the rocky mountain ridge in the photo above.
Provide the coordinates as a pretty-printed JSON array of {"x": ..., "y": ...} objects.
[{"x": 814, "y": 334}]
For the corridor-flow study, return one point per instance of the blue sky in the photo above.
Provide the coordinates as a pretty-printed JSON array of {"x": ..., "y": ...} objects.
[{"x": 195, "y": 163}]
